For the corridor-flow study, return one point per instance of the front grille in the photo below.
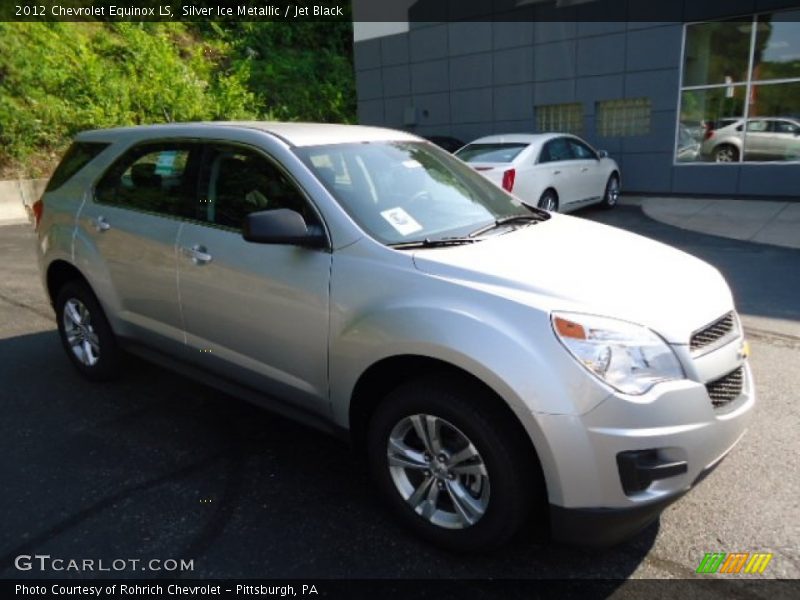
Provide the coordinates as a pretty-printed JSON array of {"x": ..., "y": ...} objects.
[
  {"x": 726, "y": 388},
  {"x": 712, "y": 333}
]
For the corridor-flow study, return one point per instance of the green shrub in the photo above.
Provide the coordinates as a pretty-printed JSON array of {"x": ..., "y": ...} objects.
[{"x": 57, "y": 79}]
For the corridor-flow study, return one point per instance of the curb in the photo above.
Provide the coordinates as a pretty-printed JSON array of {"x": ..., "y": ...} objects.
[{"x": 16, "y": 198}]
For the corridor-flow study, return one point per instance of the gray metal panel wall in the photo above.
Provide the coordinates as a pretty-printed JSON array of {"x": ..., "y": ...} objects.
[{"x": 476, "y": 78}]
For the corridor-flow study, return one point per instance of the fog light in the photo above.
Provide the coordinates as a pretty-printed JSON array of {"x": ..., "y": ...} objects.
[{"x": 638, "y": 469}]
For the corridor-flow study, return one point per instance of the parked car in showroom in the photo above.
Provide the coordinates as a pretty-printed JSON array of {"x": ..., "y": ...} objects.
[
  {"x": 368, "y": 283},
  {"x": 765, "y": 139},
  {"x": 554, "y": 171}
]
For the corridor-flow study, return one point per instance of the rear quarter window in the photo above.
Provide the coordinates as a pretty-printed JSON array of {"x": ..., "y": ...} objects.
[{"x": 77, "y": 156}]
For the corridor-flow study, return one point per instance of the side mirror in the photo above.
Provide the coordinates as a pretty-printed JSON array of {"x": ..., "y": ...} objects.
[
  {"x": 602, "y": 154},
  {"x": 281, "y": 226}
]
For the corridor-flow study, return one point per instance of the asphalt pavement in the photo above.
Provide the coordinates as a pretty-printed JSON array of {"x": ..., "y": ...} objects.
[{"x": 157, "y": 466}]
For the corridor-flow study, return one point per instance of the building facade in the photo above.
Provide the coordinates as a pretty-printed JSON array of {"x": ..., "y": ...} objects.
[{"x": 707, "y": 102}]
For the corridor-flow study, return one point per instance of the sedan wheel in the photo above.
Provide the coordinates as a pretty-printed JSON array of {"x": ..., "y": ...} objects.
[
  {"x": 438, "y": 471},
  {"x": 611, "y": 196},
  {"x": 549, "y": 201}
]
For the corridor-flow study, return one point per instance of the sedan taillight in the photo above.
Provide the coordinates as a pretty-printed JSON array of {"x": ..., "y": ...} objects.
[{"x": 508, "y": 179}]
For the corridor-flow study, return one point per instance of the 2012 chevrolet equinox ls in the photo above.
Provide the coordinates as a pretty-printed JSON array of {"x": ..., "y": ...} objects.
[{"x": 498, "y": 365}]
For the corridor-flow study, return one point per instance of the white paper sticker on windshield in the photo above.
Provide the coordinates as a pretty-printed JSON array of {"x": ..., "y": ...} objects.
[
  {"x": 403, "y": 222},
  {"x": 411, "y": 164}
]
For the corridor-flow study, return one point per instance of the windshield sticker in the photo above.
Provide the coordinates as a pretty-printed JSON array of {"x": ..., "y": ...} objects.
[
  {"x": 403, "y": 222},
  {"x": 411, "y": 164},
  {"x": 165, "y": 162}
]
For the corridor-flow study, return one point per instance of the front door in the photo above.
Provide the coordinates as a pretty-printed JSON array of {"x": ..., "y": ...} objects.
[
  {"x": 256, "y": 313},
  {"x": 591, "y": 181}
]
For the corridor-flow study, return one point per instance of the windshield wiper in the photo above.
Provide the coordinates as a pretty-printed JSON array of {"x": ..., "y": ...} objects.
[
  {"x": 440, "y": 243},
  {"x": 533, "y": 218}
]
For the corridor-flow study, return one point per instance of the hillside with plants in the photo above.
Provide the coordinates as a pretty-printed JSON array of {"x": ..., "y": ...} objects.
[{"x": 60, "y": 78}]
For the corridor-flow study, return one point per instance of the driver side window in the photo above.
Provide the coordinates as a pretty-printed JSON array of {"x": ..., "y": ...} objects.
[{"x": 239, "y": 181}]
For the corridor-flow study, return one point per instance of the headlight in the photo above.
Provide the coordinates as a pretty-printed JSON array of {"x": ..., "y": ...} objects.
[{"x": 628, "y": 357}]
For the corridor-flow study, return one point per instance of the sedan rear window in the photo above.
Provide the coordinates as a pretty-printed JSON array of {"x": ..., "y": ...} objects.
[
  {"x": 494, "y": 153},
  {"x": 78, "y": 156}
]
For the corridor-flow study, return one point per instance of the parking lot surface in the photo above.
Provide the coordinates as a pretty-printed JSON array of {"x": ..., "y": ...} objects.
[{"x": 156, "y": 466}]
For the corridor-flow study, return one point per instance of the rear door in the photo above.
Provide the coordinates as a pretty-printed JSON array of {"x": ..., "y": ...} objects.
[
  {"x": 557, "y": 167},
  {"x": 255, "y": 313},
  {"x": 132, "y": 221}
]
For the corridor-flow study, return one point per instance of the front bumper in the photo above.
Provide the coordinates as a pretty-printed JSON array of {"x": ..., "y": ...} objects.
[
  {"x": 603, "y": 527},
  {"x": 592, "y": 499}
]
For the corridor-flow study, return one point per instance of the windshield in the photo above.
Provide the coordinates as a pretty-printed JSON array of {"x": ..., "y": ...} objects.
[
  {"x": 494, "y": 153},
  {"x": 402, "y": 192}
]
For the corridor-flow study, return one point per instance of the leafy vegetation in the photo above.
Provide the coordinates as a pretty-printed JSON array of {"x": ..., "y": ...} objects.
[{"x": 60, "y": 78}]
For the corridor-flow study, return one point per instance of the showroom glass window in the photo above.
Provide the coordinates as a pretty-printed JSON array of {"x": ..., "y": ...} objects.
[{"x": 740, "y": 91}]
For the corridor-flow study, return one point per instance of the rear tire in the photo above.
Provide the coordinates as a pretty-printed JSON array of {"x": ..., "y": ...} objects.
[
  {"x": 470, "y": 491},
  {"x": 85, "y": 333},
  {"x": 726, "y": 154},
  {"x": 549, "y": 201}
]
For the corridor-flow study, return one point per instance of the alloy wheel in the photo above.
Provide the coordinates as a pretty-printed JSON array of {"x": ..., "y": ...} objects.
[
  {"x": 726, "y": 154},
  {"x": 438, "y": 471},
  {"x": 612, "y": 191},
  {"x": 81, "y": 336},
  {"x": 548, "y": 202}
]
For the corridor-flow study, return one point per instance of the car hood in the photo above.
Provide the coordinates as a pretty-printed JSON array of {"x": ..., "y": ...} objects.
[{"x": 568, "y": 263}]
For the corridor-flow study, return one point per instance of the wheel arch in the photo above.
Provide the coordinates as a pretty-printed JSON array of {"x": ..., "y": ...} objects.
[
  {"x": 386, "y": 374},
  {"x": 60, "y": 272},
  {"x": 550, "y": 188}
]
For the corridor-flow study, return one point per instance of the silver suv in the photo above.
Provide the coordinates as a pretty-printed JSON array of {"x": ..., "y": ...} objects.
[
  {"x": 765, "y": 139},
  {"x": 493, "y": 361}
]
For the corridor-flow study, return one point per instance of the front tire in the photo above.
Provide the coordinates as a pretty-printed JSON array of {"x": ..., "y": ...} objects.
[
  {"x": 450, "y": 465},
  {"x": 611, "y": 196},
  {"x": 85, "y": 333}
]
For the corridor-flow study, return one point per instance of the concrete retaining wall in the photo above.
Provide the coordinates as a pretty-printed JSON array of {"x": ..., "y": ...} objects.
[{"x": 16, "y": 198}]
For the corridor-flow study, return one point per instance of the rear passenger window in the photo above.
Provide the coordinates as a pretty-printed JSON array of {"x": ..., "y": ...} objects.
[
  {"x": 78, "y": 156},
  {"x": 154, "y": 178},
  {"x": 237, "y": 181},
  {"x": 556, "y": 150}
]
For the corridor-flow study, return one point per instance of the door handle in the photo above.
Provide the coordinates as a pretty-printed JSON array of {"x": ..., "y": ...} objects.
[
  {"x": 100, "y": 224},
  {"x": 199, "y": 254},
  {"x": 584, "y": 169},
  {"x": 556, "y": 172}
]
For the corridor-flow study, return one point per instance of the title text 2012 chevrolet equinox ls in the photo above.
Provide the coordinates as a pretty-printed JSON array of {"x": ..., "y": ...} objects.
[{"x": 499, "y": 366}]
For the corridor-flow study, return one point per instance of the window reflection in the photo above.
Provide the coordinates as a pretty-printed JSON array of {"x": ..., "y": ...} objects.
[
  {"x": 776, "y": 135},
  {"x": 777, "y": 51},
  {"x": 703, "y": 112},
  {"x": 729, "y": 114},
  {"x": 717, "y": 53}
]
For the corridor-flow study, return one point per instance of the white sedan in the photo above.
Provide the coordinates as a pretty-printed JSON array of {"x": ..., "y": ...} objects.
[{"x": 555, "y": 171}]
